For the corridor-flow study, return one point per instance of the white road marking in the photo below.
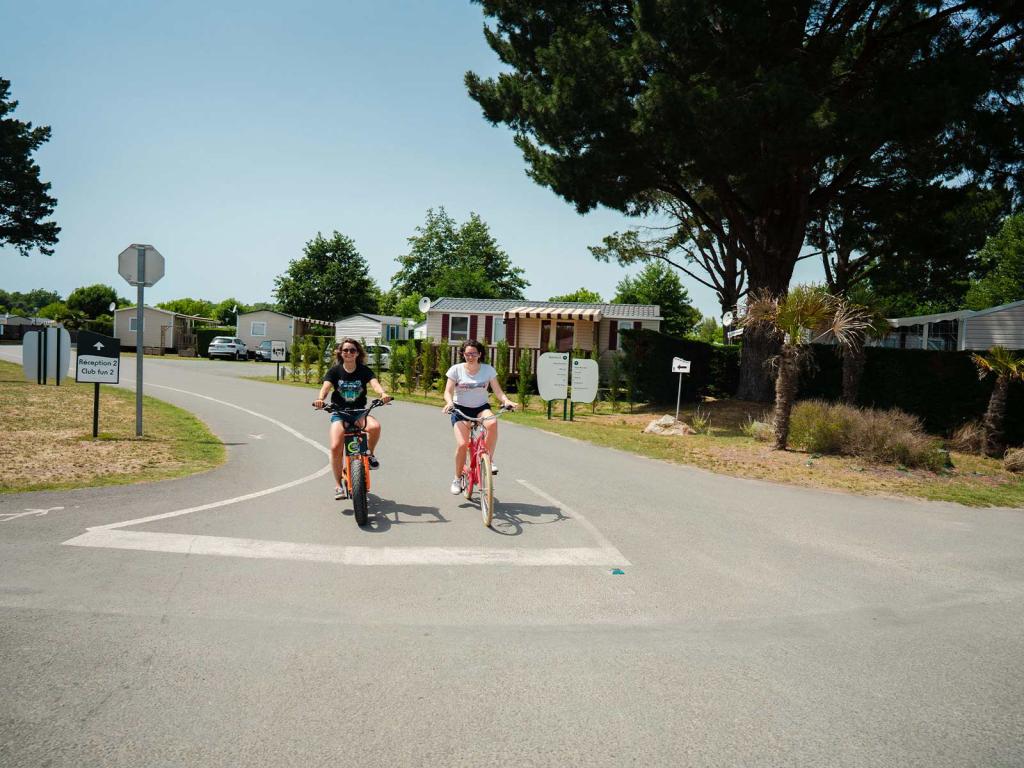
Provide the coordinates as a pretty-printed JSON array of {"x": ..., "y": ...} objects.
[
  {"x": 6, "y": 517},
  {"x": 598, "y": 536},
  {"x": 186, "y": 544}
]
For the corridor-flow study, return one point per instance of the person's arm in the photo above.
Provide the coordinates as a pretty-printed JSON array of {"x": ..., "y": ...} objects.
[
  {"x": 380, "y": 390},
  {"x": 319, "y": 402},
  {"x": 498, "y": 393},
  {"x": 449, "y": 395}
]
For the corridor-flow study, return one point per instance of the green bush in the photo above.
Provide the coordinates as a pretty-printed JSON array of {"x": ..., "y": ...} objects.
[
  {"x": 501, "y": 364},
  {"x": 524, "y": 380},
  {"x": 882, "y": 436}
]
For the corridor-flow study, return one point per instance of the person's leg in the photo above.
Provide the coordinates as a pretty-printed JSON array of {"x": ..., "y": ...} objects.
[
  {"x": 337, "y": 448},
  {"x": 461, "y": 445},
  {"x": 373, "y": 430}
]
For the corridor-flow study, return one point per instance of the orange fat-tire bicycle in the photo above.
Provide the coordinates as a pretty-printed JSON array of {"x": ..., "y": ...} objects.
[{"x": 355, "y": 468}]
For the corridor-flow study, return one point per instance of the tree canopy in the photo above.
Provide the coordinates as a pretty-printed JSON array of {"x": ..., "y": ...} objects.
[
  {"x": 1002, "y": 260},
  {"x": 24, "y": 199},
  {"x": 93, "y": 300},
  {"x": 754, "y": 116},
  {"x": 580, "y": 294},
  {"x": 658, "y": 284},
  {"x": 448, "y": 259},
  {"x": 28, "y": 303},
  {"x": 189, "y": 306},
  {"x": 330, "y": 281}
]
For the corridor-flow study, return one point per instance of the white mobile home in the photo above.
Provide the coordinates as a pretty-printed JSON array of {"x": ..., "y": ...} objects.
[
  {"x": 270, "y": 325},
  {"x": 372, "y": 328},
  {"x": 162, "y": 330},
  {"x": 964, "y": 329}
]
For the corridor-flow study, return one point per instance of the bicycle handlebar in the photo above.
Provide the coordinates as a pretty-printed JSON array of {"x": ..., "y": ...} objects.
[
  {"x": 332, "y": 408},
  {"x": 503, "y": 408}
]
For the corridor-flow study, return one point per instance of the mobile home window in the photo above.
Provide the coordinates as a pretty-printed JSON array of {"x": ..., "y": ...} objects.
[
  {"x": 258, "y": 328},
  {"x": 133, "y": 322},
  {"x": 459, "y": 329}
]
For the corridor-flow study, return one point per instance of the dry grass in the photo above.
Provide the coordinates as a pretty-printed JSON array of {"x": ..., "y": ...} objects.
[
  {"x": 48, "y": 441},
  {"x": 1013, "y": 461}
]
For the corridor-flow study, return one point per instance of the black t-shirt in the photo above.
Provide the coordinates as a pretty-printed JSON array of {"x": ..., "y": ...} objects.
[{"x": 349, "y": 388}]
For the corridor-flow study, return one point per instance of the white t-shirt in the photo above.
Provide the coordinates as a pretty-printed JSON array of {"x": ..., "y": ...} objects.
[{"x": 471, "y": 390}]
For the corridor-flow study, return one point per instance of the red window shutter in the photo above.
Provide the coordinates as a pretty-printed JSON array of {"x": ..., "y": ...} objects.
[
  {"x": 510, "y": 331},
  {"x": 488, "y": 329},
  {"x": 613, "y": 335},
  {"x": 472, "y": 326},
  {"x": 444, "y": 326},
  {"x": 637, "y": 325}
]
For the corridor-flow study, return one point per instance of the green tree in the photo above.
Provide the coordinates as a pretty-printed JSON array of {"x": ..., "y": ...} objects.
[
  {"x": 24, "y": 199},
  {"x": 707, "y": 330},
  {"x": 582, "y": 295},
  {"x": 92, "y": 300},
  {"x": 1007, "y": 366},
  {"x": 1002, "y": 263},
  {"x": 332, "y": 280},
  {"x": 658, "y": 284},
  {"x": 448, "y": 259},
  {"x": 190, "y": 306},
  {"x": 28, "y": 304},
  {"x": 804, "y": 315},
  {"x": 227, "y": 311},
  {"x": 766, "y": 110}
]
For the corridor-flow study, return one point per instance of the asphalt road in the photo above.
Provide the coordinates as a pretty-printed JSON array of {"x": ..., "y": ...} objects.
[{"x": 239, "y": 617}]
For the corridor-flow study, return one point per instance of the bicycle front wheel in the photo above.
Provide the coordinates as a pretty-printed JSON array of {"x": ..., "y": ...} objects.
[
  {"x": 360, "y": 505},
  {"x": 486, "y": 491}
]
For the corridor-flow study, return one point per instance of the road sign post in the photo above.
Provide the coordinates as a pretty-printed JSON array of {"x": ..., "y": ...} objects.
[
  {"x": 140, "y": 265},
  {"x": 278, "y": 354},
  {"x": 98, "y": 361},
  {"x": 679, "y": 366}
]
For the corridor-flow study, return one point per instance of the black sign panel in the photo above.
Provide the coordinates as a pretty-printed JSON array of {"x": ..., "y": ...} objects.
[{"x": 99, "y": 358}]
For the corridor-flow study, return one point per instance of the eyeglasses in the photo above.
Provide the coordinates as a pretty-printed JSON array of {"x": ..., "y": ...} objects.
[
  {"x": 471, "y": 354},
  {"x": 352, "y": 350}
]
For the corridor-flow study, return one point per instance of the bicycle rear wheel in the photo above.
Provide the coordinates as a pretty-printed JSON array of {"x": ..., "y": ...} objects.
[
  {"x": 360, "y": 505},
  {"x": 486, "y": 491}
]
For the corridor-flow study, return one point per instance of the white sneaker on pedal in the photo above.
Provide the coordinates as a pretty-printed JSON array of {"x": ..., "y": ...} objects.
[
  {"x": 494, "y": 468},
  {"x": 340, "y": 493},
  {"x": 456, "y": 487}
]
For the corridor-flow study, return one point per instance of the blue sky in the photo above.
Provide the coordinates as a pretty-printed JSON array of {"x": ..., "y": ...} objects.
[{"x": 228, "y": 134}]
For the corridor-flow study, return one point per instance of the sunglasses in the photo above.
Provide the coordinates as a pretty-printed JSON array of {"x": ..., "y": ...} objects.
[{"x": 353, "y": 350}]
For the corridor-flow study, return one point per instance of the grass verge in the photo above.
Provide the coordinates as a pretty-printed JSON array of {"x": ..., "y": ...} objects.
[{"x": 48, "y": 443}]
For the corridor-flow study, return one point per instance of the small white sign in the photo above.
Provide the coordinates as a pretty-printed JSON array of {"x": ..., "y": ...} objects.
[
  {"x": 152, "y": 264},
  {"x": 278, "y": 351},
  {"x": 680, "y": 366},
  {"x": 52, "y": 343},
  {"x": 584, "y": 381},
  {"x": 553, "y": 375}
]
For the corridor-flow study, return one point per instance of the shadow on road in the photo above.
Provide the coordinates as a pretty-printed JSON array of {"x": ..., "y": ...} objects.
[
  {"x": 384, "y": 513},
  {"x": 509, "y": 519}
]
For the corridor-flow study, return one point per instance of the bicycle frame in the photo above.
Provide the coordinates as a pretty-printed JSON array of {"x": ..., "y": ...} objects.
[
  {"x": 356, "y": 442},
  {"x": 476, "y": 448}
]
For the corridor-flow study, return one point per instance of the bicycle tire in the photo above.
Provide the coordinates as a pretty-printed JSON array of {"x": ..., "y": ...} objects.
[
  {"x": 486, "y": 491},
  {"x": 360, "y": 504}
]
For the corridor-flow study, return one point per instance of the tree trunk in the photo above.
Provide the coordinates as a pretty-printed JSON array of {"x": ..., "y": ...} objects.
[
  {"x": 853, "y": 369},
  {"x": 785, "y": 395},
  {"x": 993, "y": 421}
]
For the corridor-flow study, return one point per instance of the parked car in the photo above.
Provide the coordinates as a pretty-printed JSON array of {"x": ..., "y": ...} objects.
[
  {"x": 371, "y": 360},
  {"x": 226, "y": 346},
  {"x": 262, "y": 352}
]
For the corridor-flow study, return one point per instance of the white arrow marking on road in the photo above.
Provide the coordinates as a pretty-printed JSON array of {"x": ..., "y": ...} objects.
[
  {"x": 8, "y": 516},
  {"x": 256, "y": 437}
]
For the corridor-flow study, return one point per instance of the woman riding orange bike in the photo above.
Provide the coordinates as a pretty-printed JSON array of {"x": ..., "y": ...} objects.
[
  {"x": 349, "y": 379},
  {"x": 467, "y": 388}
]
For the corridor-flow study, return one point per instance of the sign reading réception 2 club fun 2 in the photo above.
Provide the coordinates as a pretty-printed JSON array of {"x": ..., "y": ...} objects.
[{"x": 99, "y": 358}]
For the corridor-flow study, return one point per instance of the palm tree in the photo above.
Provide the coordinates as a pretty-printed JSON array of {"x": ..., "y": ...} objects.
[
  {"x": 1007, "y": 366},
  {"x": 792, "y": 319},
  {"x": 854, "y": 357}
]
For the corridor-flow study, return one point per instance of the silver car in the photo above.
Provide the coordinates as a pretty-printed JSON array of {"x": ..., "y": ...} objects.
[{"x": 227, "y": 346}]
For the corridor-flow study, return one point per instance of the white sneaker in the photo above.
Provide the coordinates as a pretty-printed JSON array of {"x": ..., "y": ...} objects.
[
  {"x": 494, "y": 469},
  {"x": 456, "y": 487},
  {"x": 340, "y": 493}
]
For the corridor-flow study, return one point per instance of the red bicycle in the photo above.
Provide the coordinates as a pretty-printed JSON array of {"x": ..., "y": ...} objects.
[{"x": 477, "y": 470}]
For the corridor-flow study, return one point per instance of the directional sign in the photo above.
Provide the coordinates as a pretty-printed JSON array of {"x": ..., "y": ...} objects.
[
  {"x": 680, "y": 366},
  {"x": 46, "y": 354},
  {"x": 278, "y": 351},
  {"x": 152, "y": 262},
  {"x": 553, "y": 375},
  {"x": 584, "y": 381},
  {"x": 99, "y": 358}
]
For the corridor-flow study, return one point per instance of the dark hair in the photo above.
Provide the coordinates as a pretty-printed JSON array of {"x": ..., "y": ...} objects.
[
  {"x": 475, "y": 344},
  {"x": 360, "y": 355}
]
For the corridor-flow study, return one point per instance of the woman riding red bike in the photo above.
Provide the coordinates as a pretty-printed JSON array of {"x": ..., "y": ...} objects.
[
  {"x": 467, "y": 388},
  {"x": 349, "y": 378}
]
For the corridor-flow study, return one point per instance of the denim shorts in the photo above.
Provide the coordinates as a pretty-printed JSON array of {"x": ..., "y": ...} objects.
[
  {"x": 473, "y": 412},
  {"x": 348, "y": 418}
]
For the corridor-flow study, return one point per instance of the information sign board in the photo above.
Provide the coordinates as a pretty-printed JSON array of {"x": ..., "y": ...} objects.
[
  {"x": 680, "y": 366},
  {"x": 99, "y": 358},
  {"x": 278, "y": 351},
  {"x": 584, "y": 381},
  {"x": 553, "y": 375}
]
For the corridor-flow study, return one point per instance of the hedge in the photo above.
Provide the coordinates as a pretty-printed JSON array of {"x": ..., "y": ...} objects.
[
  {"x": 941, "y": 388},
  {"x": 714, "y": 369}
]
